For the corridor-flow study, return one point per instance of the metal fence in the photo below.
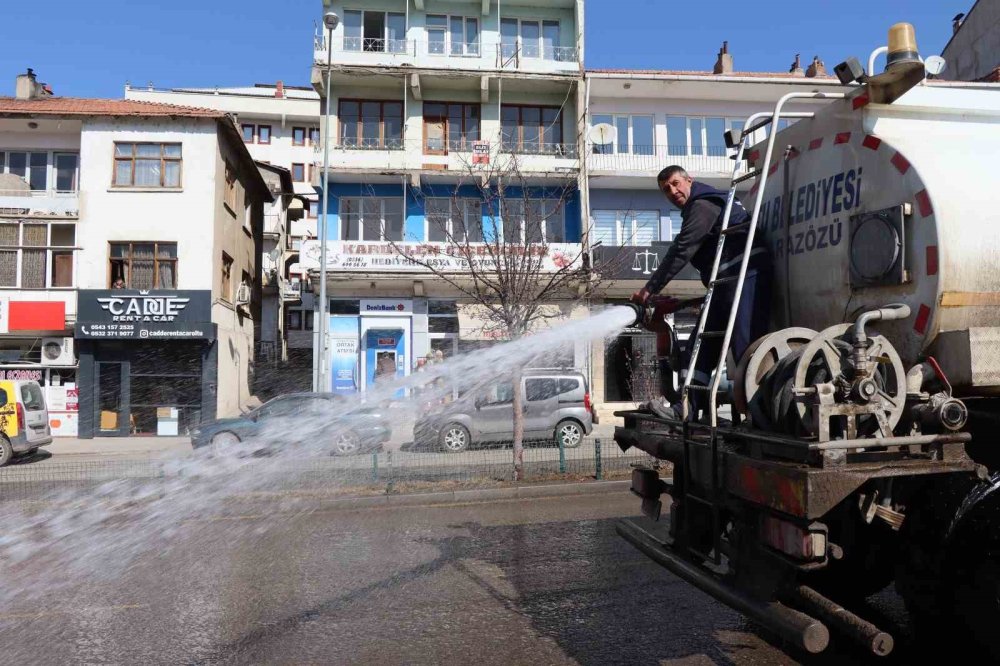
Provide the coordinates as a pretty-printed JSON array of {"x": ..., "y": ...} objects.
[{"x": 382, "y": 472}]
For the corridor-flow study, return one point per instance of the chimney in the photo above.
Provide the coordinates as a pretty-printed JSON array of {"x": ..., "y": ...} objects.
[
  {"x": 26, "y": 86},
  {"x": 724, "y": 64},
  {"x": 796, "y": 68},
  {"x": 956, "y": 23},
  {"x": 817, "y": 68},
  {"x": 279, "y": 90}
]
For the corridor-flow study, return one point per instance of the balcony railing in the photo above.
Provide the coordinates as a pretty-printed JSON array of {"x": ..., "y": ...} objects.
[
  {"x": 563, "y": 150},
  {"x": 506, "y": 55},
  {"x": 646, "y": 159},
  {"x": 39, "y": 202}
]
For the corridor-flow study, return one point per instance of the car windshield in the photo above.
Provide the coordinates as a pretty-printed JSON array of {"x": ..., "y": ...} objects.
[{"x": 294, "y": 405}]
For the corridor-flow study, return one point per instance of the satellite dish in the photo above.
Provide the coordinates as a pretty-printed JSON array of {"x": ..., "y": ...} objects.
[
  {"x": 602, "y": 134},
  {"x": 934, "y": 65}
]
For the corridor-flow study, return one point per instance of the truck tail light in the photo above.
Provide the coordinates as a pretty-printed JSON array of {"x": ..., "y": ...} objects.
[
  {"x": 586, "y": 402},
  {"x": 793, "y": 540},
  {"x": 20, "y": 418}
]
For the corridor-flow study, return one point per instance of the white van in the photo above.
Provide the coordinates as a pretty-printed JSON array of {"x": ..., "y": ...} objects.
[{"x": 24, "y": 419}]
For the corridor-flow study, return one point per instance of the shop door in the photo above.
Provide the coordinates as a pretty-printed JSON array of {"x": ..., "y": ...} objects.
[{"x": 112, "y": 403}]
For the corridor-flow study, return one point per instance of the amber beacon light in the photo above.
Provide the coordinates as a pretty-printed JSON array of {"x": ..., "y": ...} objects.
[{"x": 902, "y": 45}]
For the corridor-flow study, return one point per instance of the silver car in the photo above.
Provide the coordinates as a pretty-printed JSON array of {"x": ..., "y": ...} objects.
[{"x": 556, "y": 406}]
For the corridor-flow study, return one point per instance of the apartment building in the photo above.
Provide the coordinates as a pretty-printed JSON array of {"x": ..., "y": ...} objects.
[
  {"x": 280, "y": 126},
  {"x": 661, "y": 118},
  {"x": 973, "y": 52},
  {"x": 132, "y": 235},
  {"x": 428, "y": 99}
]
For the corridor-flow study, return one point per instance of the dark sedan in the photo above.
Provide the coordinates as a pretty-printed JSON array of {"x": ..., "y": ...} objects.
[{"x": 317, "y": 422}]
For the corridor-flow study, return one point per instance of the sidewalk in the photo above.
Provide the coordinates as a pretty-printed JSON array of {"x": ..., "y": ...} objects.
[{"x": 112, "y": 446}]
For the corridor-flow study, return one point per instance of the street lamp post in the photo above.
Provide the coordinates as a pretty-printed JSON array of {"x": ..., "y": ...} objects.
[{"x": 330, "y": 20}]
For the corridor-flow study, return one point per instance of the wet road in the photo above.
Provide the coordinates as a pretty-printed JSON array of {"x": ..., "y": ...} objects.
[{"x": 542, "y": 581}]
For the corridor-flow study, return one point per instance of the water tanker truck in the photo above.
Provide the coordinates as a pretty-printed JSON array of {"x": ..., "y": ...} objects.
[{"x": 863, "y": 444}]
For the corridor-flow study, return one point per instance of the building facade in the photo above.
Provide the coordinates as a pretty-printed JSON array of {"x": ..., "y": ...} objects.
[
  {"x": 432, "y": 105},
  {"x": 973, "y": 52},
  {"x": 132, "y": 236},
  {"x": 280, "y": 126}
]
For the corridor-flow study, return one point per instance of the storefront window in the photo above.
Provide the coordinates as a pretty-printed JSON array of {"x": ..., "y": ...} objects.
[
  {"x": 630, "y": 369},
  {"x": 165, "y": 386}
]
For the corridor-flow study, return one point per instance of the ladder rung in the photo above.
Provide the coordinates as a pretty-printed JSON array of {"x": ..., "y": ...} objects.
[
  {"x": 763, "y": 123},
  {"x": 724, "y": 280},
  {"x": 747, "y": 176},
  {"x": 736, "y": 228},
  {"x": 713, "y": 334},
  {"x": 700, "y": 500},
  {"x": 699, "y": 387}
]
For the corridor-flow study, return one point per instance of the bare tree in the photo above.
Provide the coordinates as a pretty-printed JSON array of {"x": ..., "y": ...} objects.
[{"x": 501, "y": 247}]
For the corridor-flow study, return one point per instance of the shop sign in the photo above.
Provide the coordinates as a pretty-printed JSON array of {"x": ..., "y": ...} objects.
[
  {"x": 381, "y": 257},
  {"x": 481, "y": 152},
  {"x": 154, "y": 315},
  {"x": 634, "y": 262},
  {"x": 386, "y": 307},
  {"x": 27, "y": 375}
]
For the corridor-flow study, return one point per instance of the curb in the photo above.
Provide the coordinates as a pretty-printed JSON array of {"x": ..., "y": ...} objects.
[{"x": 480, "y": 496}]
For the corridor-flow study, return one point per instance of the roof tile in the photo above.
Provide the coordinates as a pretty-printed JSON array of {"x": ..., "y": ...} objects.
[{"x": 77, "y": 106}]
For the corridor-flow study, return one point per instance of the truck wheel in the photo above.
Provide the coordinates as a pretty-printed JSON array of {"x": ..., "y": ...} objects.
[
  {"x": 976, "y": 598},
  {"x": 6, "y": 451},
  {"x": 454, "y": 438}
]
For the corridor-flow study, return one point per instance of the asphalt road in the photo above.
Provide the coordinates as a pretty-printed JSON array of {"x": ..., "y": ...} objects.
[{"x": 544, "y": 581}]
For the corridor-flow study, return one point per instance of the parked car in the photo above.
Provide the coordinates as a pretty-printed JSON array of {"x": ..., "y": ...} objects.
[
  {"x": 319, "y": 421},
  {"x": 24, "y": 419},
  {"x": 556, "y": 405}
]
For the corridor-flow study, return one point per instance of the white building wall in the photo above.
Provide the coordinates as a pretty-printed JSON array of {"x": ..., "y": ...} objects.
[{"x": 185, "y": 215}]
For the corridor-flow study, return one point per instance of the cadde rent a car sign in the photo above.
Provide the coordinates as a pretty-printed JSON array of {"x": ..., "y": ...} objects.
[{"x": 152, "y": 314}]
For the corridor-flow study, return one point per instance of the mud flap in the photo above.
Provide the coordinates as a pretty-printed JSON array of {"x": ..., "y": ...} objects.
[{"x": 647, "y": 484}]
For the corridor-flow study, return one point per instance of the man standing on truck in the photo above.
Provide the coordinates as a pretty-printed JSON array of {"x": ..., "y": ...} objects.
[{"x": 702, "y": 208}]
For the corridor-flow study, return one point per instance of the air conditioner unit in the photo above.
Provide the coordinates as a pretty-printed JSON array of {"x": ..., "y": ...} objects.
[
  {"x": 57, "y": 351},
  {"x": 243, "y": 294}
]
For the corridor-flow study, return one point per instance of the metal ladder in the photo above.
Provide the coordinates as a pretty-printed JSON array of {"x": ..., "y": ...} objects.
[{"x": 753, "y": 123}]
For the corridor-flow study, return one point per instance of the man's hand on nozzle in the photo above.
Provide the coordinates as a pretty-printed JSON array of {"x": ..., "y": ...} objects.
[{"x": 640, "y": 297}]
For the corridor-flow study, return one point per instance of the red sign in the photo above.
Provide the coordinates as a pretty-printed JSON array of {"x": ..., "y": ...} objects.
[
  {"x": 481, "y": 152},
  {"x": 37, "y": 316}
]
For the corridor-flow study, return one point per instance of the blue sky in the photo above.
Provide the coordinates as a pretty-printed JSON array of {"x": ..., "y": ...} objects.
[{"x": 89, "y": 49}]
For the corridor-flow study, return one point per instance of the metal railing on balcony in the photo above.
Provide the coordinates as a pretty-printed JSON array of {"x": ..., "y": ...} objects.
[
  {"x": 514, "y": 55},
  {"x": 564, "y": 150},
  {"x": 507, "y": 55},
  {"x": 653, "y": 158},
  {"x": 367, "y": 45}
]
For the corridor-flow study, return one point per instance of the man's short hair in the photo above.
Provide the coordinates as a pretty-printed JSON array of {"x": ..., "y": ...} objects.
[{"x": 670, "y": 172}]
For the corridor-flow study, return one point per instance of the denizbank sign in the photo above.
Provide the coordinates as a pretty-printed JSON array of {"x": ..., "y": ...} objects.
[
  {"x": 137, "y": 314},
  {"x": 386, "y": 307}
]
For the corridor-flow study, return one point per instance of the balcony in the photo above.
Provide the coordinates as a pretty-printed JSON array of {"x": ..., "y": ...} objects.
[
  {"x": 273, "y": 224},
  {"x": 645, "y": 161},
  {"x": 41, "y": 203},
  {"x": 483, "y": 56},
  {"x": 457, "y": 154}
]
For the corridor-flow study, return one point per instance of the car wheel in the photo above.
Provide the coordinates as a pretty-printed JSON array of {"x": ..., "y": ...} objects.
[
  {"x": 454, "y": 438},
  {"x": 6, "y": 451},
  {"x": 226, "y": 444},
  {"x": 346, "y": 444},
  {"x": 569, "y": 434}
]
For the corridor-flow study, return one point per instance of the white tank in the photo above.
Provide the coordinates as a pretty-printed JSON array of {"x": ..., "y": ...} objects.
[{"x": 894, "y": 203}]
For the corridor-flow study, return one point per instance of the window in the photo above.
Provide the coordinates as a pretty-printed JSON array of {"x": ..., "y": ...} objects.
[
  {"x": 371, "y": 218},
  {"x": 298, "y": 136},
  {"x": 299, "y": 320},
  {"x": 623, "y": 227},
  {"x": 533, "y": 221},
  {"x": 37, "y": 256},
  {"x": 314, "y": 137},
  {"x": 450, "y": 127},
  {"x": 31, "y": 396},
  {"x": 313, "y": 208},
  {"x": 454, "y": 220},
  {"x": 227, "y": 277},
  {"x": 634, "y": 135},
  {"x": 248, "y": 132},
  {"x": 374, "y": 31},
  {"x": 299, "y": 173},
  {"x": 67, "y": 169},
  {"x": 532, "y": 39},
  {"x": 312, "y": 173},
  {"x": 452, "y": 35},
  {"x": 31, "y": 166},
  {"x": 147, "y": 165},
  {"x": 231, "y": 193},
  {"x": 541, "y": 388},
  {"x": 442, "y": 317},
  {"x": 144, "y": 265},
  {"x": 263, "y": 134},
  {"x": 531, "y": 129},
  {"x": 371, "y": 124},
  {"x": 699, "y": 136},
  {"x": 631, "y": 372},
  {"x": 498, "y": 394}
]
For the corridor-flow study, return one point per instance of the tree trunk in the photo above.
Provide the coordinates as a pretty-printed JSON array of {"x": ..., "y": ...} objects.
[{"x": 518, "y": 406}]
